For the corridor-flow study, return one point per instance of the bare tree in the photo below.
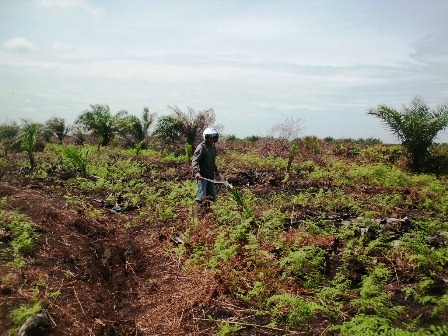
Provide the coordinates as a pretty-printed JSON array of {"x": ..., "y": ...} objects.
[{"x": 289, "y": 128}]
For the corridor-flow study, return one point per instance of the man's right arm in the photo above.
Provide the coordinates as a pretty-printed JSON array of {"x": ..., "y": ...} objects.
[{"x": 195, "y": 162}]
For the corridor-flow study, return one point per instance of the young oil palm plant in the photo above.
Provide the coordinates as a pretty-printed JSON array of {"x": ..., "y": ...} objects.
[
  {"x": 30, "y": 138},
  {"x": 77, "y": 158},
  {"x": 416, "y": 126},
  {"x": 292, "y": 154}
]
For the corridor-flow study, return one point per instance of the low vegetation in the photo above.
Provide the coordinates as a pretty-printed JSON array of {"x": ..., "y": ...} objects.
[
  {"x": 311, "y": 237},
  {"x": 348, "y": 244}
]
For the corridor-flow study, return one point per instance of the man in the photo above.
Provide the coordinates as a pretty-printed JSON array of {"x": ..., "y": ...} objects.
[{"x": 204, "y": 167}]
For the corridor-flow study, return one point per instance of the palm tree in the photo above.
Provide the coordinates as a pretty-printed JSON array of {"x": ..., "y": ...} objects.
[
  {"x": 30, "y": 139},
  {"x": 169, "y": 130},
  {"x": 101, "y": 122},
  {"x": 57, "y": 127},
  {"x": 138, "y": 128},
  {"x": 415, "y": 126}
]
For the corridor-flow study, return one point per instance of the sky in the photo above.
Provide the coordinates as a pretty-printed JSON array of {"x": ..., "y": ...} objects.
[{"x": 257, "y": 63}]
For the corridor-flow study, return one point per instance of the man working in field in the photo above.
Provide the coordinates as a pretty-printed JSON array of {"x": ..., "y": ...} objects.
[{"x": 205, "y": 169}]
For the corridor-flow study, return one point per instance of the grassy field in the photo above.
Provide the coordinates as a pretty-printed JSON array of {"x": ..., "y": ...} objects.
[{"x": 323, "y": 239}]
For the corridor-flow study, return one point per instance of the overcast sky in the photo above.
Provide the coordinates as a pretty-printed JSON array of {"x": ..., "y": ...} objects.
[{"x": 254, "y": 62}]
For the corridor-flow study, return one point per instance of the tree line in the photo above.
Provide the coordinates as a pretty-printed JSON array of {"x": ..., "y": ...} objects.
[
  {"x": 172, "y": 130},
  {"x": 415, "y": 125}
]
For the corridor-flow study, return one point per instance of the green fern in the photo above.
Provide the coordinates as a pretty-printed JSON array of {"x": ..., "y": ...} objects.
[
  {"x": 223, "y": 250},
  {"x": 139, "y": 147},
  {"x": 441, "y": 330},
  {"x": 23, "y": 234},
  {"x": 373, "y": 295},
  {"x": 226, "y": 329},
  {"x": 362, "y": 325},
  {"x": 257, "y": 292},
  {"x": 365, "y": 325},
  {"x": 441, "y": 305},
  {"x": 295, "y": 310},
  {"x": 306, "y": 264},
  {"x": 240, "y": 231},
  {"x": 20, "y": 315},
  {"x": 335, "y": 294},
  {"x": 24, "y": 311}
]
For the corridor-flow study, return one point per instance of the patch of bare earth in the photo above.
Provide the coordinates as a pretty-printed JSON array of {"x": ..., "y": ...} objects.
[{"x": 112, "y": 280}]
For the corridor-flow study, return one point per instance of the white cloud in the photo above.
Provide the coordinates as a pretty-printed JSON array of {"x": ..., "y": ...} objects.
[
  {"x": 68, "y": 4},
  {"x": 19, "y": 44},
  {"x": 58, "y": 46}
]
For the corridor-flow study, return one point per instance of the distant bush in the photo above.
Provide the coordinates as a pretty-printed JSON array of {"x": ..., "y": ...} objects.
[
  {"x": 252, "y": 138},
  {"x": 360, "y": 141},
  {"x": 8, "y": 137},
  {"x": 231, "y": 137}
]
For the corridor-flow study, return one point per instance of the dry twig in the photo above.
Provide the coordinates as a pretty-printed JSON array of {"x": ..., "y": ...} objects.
[{"x": 77, "y": 299}]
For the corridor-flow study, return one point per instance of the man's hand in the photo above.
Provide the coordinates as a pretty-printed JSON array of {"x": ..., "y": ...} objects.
[{"x": 197, "y": 176}]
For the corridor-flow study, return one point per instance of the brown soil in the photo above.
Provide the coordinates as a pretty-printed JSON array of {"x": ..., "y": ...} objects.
[{"x": 112, "y": 280}]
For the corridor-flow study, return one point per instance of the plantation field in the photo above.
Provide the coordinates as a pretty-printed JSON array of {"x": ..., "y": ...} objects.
[{"x": 333, "y": 239}]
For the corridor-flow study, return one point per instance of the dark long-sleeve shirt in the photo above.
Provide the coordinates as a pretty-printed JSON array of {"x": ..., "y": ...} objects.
[{"x": 204, "y": 160}]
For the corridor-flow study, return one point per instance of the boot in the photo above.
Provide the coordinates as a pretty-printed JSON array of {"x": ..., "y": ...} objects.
[{"x": 197, "y": 210}]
